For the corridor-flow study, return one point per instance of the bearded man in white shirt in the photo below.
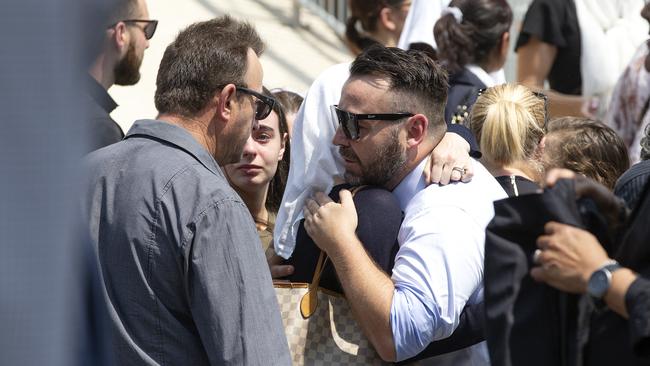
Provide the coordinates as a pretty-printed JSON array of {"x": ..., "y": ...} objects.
[{"x": 391, "y": 118}]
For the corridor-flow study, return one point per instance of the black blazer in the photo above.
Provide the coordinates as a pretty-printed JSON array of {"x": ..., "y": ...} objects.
[
  {"x": 463, "y": 91},
  {"x": 528, "y": 323}
]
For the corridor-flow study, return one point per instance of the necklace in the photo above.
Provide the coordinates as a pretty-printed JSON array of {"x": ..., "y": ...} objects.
[{"x": 261, "y": 224}]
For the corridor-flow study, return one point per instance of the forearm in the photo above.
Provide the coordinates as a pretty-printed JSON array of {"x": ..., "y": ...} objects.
[
  {"x": 369, "y": 292},
  {"x": 615, "y": 296},
  {"x": 534, "y": 62}
]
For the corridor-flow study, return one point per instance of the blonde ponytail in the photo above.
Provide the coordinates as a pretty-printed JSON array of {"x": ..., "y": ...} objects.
[{"x": 508, "y": 122}]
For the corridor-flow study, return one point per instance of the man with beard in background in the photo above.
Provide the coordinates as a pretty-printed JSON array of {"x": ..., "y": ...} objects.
[{"x": 127, "y": 35}]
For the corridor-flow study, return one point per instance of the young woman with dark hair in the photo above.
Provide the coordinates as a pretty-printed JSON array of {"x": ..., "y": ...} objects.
[
  {"x": 290, "y": 102},
  {"x": 381, "y": 22},
  {"x": 261, "y": 174},
  {"x": 473, "y": 37}
]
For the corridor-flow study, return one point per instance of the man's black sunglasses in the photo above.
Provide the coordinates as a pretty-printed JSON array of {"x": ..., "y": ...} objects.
[
  {"x": 350, "y": 121},
  {"x": 149, "y": 28},
  {"x": 263, "y": 104},
  {"x": 538, "y": 95}
]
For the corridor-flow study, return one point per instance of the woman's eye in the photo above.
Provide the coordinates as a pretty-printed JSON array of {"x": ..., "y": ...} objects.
[{"x": 262, "y": 137}]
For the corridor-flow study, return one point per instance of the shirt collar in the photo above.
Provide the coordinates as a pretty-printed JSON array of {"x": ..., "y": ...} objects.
[
  {"x": 482, "y": 75},
  {"x": 99, "y": 94},
  {"x": 410, "y": 185},
  {"x": 177, "y": 136}
]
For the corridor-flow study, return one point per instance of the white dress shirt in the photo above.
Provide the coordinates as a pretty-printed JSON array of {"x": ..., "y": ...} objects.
[{"x": 439, "y": 266}]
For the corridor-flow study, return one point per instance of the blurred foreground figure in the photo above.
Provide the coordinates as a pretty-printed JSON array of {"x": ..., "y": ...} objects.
[{"x": 50, "y": 305}]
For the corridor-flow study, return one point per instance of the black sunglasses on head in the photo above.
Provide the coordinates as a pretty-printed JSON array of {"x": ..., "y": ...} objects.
[
  {"x": 538, "y": 95},
  {"x": 263, "y": 104},
  {"x": 149, "y": 27},
  {"x": 350, "y": 121}
]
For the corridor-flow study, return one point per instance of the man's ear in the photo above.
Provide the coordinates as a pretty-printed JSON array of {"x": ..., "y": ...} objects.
[
  {"x": 224, "y": 101},
  {"x": 416, "y": 129},
  {"x": 119, "y": 37}
]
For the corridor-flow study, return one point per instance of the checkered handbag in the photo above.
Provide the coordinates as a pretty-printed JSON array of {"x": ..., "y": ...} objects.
[{"x": 319, "y": 325}]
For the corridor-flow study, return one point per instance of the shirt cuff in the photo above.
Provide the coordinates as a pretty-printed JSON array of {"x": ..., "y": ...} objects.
[{"x": 412, "y": 324}]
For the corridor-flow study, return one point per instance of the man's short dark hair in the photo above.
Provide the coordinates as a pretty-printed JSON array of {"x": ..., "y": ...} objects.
[
  {"x": 204, "y": 58},
  {"x": 417, "y": 81},
  {"x": 123, "y": 10}
]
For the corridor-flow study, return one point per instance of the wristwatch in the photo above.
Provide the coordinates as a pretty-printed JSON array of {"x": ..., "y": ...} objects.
[{"x": 601, "y": 279}]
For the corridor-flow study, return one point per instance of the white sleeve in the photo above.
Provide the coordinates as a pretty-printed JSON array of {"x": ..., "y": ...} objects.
[
  {"x": 314, "y": 159},
  {"x": 438, "y": 269}
]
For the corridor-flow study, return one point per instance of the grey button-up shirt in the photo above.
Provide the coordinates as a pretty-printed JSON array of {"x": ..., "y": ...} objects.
[{"x": 186, "y": 280}]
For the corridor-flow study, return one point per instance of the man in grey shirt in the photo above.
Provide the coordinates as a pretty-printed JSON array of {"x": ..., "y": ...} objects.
[{"x": 185, "y": 279}]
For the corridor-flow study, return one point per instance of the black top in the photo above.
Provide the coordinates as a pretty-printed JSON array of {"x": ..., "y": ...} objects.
[
  {"x": 463, "y": 92},
  {"x": 515, "y": 185},
  {"x": 637, "y": 303},
  {"x": 527, "y": 323},
  {"x": 556, "y": 22},
  {"x": 631, "y": 184},
  {"x": 104, "y": 130},
  {"x": 614, "y": 340}
]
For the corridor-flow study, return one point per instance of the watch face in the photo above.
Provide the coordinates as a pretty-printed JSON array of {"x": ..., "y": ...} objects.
[{"x": 598, "y": 283}]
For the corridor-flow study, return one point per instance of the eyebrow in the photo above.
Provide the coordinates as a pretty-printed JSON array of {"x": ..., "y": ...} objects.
[{"x": 265, "y": 128}]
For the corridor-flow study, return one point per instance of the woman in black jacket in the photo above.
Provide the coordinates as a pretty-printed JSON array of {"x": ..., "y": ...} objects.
[{"x": 473, "y": 39}]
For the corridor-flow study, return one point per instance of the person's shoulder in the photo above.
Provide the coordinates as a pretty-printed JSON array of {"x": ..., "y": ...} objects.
[
  {"x": 198, "y": 192},
  {"x": 465, "y": 79},
  {"x": 482, "y": 190},
  {"x": 553, "y": 5},
  {"x": 542, "y": 14}
]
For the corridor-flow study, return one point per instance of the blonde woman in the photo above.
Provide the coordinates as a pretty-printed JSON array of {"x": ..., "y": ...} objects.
[{"x": 509, "y": 122}]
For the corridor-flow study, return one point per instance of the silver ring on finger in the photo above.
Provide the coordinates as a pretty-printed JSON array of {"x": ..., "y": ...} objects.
[
  {"x": 536, "y": 255},
  {"x": 462, "y": 171}
]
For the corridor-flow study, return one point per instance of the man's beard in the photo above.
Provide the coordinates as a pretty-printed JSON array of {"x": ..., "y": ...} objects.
[
  {"x": 127, "y": 70},
  {"x": 378, "y": 172},
  {"x": 233, "y": 145}
]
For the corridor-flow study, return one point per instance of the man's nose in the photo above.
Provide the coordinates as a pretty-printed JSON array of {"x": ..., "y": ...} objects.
[
  {"x": 249, "y": 147},
  {"x": 339, "y": 138}
]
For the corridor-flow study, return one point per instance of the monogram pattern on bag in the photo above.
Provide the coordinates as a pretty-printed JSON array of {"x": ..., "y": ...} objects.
[{"x": 331, "y": 336}]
